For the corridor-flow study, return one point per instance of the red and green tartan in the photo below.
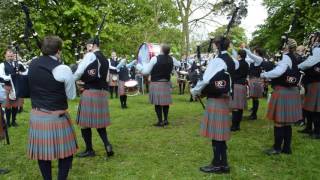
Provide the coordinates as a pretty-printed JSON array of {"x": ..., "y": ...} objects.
[
  {"x": 312, "y": 97},
  {"x": 160, "y": 93},
  {"x": 285, "y": 106},
  {"x": 217, "y": 120}
]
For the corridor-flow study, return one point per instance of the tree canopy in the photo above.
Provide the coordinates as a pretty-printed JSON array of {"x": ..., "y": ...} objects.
[{"x": 302, "y": 14}]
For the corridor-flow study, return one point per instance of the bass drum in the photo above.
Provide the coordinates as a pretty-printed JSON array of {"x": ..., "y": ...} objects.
[{"x": 147, "y": 51}]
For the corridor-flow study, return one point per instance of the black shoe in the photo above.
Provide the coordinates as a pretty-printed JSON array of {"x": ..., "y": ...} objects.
[
  {"x": 166, "y": 123},
  {"x": 211, "y": 169},
  {"x": 235, "y": 129},
  {"x": 225, "y": 169},
  {"x": 253, "y": 117},
  {"x": 286, "y": 151},
  {"x": 109, "y": 150},
  {"x": 86, "y": 153},
  {"x": 158, "y": 124},
  {"x": 305, "y": 131},
  {"x": 272, "y": 151},
  {"x": 14, "y": 124},
  {"x": 8, "y": 125},
  {"x": 125, "y": 106},
  {"x": 4, "y": 171}
]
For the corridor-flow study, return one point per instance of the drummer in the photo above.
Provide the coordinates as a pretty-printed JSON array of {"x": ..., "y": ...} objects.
[
  {"x": 113, "y": 75},
  {"x": 182, "y": 75},
  {"x": 123, "y": 71},
  {"x": 160, "y": 68}
]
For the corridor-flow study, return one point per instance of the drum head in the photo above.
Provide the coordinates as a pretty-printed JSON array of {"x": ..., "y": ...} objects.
[
  {"x": 131, "y": 83},
  {"x": 147, "y": 51}
]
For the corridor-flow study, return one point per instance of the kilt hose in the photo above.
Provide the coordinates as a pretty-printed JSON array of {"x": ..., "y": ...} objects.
[
  {"x": 51, "y": 136},
  {"x": 121, "y": 88},
  {"x": 256, "y": 87},
  {"x": 8, "y": 102},
  {"x": 113, "y": 82},
  {"x": 285, "y": 106},
  {"x": 217, "y": 120},
  {"x": 312, "y": 97},
  {"x": 160, "y": 93},
  {"x": 93, "y": 111},
  {"x": 239, "y": 99}
]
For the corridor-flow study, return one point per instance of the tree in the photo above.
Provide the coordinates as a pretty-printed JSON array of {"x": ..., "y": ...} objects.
[
  {"x": 128, "y": 24},
  {"x": 304, "y": 14}
]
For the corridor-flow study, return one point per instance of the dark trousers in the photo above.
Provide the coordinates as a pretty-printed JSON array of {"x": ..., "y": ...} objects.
[
  {"x": 113, "y": 89},
  {"x": 11, "y": 114}
]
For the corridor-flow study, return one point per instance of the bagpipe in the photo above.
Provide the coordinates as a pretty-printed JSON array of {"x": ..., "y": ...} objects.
[{"x": 222, "y": 81}]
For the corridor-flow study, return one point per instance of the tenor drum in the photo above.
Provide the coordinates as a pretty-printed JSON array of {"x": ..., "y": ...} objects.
[
  {"x": 131, "y": 88},
  {"x": 147, "y": 51}
]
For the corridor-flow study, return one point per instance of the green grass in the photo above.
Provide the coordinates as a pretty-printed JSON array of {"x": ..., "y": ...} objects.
[{"x": 176, "y": 152}]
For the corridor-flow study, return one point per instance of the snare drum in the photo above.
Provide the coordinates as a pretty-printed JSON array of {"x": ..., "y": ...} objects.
[{"x": 131, "y": 87}]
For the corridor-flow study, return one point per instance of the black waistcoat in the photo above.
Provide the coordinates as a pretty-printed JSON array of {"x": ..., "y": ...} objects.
[{"x": 162, "y": 69}]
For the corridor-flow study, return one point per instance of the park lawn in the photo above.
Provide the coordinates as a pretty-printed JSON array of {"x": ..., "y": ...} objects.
[{"x": 175, "y": 152}]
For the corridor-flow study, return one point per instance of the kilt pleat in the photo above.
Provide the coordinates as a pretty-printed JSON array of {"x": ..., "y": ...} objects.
[
  {"x": 256, "y": 87},
  {"x": 285, "y": 106},
  {"x": 239, "y": 99},
  {"x": 121, "y": 88},
  {"x": 312, "y": 97},
  {"x": 216, "y": 121},
  {"x": 50, "y": 136},
  {"x": 160, "y": 93},
  {"x": 111, "y": 81},
  {"x": 93, "y": 111}
]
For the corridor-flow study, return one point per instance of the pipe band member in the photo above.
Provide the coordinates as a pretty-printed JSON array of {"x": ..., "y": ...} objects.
[
  {"x": 160, "y": 68},
  {"x": 216, "y": 121},
  {"x": 239, "y": 100},
  {"x": 311, "y": 104},
  {"x": 93, "y": 111},
  {"x": 285, "y": 106},
  {"x": 123, "y": 71},
  {"x": 256, "y": 84},
  {"x": 113, "y": 74},
  {"x": 9, "y": 70},
  {"x": 51, "y": 135}
]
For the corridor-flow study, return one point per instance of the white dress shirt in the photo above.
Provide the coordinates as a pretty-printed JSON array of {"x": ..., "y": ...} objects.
[
  {"x": 146, "y": 69},
  {"x": 311, "y": 60},
  {"x": 252, "y": 58},
  {"x": 63, "y": 73},
  {"x": 280, "y": 69},
  {"x": 215, "y": 65},
  {"x": 88, "y": 58}
]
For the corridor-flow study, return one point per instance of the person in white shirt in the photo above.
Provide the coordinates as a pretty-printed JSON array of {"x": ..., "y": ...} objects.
[
  {"x": 160, "y": 68},
  {"x": 51, "y": 135},
  {"x": 285, "y": 106}
]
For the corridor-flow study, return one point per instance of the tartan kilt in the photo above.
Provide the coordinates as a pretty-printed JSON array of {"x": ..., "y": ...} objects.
[
  {"x": 285, "y": 106},
  {"x": 112, "y": 82},
  {"x": 256, "y": 87},
  {"x": 93, "y": 110},
  {"x": 8, "y": 102},
  {"x": 217, "y": 120},
  {"x": 51, "y": 136},
  {"x": 312, "y": 97},
  {"x": 160, "y": 93},
  {"x": 121, "y": 88},
  {"x": 239, "y": 99}
]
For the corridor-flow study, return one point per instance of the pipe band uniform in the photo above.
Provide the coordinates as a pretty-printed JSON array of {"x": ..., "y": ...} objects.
[
  {"x": 285, "y": 106},
  {"x": 311, "y": 104},
  {"x": 51, "y": 135},
  {"x": 160, "y": 68},
  {"x": 93, "y": 110}
]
